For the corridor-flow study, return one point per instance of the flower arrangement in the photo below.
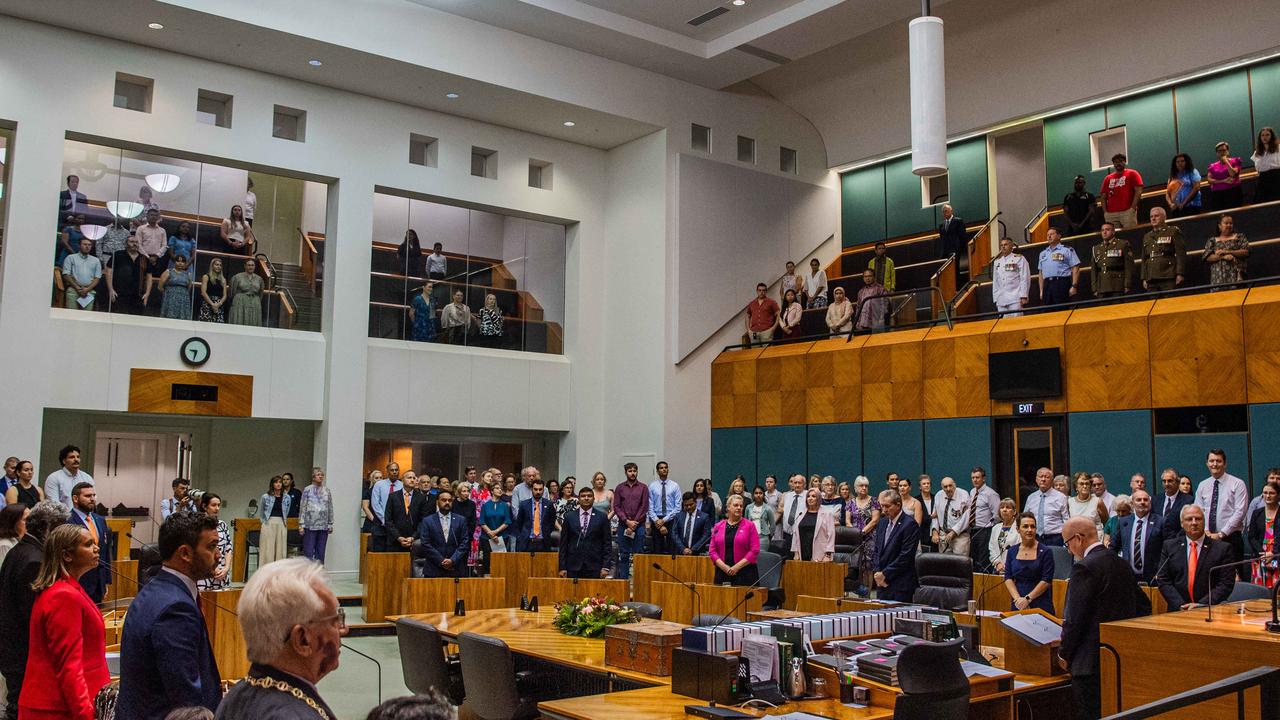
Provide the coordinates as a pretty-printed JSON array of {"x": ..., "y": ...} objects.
[{"x": 590, "y": 616}]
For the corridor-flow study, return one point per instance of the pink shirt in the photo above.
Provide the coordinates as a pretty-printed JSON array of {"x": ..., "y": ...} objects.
[{"x": 1220, "y": 175}]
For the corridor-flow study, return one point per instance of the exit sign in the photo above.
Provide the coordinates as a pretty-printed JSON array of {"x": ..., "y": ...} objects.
[{"x": 1028, "y": 408}]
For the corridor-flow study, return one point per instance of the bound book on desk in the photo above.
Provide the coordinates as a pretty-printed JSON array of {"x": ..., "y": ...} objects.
[{"x": 881, "y": 667}]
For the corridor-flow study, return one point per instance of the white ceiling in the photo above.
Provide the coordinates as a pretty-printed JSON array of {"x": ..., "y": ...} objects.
[{"x": 674, "y": 15}]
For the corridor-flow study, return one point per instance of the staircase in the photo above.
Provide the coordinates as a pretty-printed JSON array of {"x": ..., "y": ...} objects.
[{"x": 291, "y": 278}]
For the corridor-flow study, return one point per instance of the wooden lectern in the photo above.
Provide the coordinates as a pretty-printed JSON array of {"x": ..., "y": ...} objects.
[
  {"x": 1028, "y": 658},
  {"x": 225, "y": 636},
  {"x": 386, "y": 572}
]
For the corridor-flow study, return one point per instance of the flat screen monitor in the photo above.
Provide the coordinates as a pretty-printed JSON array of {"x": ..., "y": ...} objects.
[{"x": 1025, "y": 374}]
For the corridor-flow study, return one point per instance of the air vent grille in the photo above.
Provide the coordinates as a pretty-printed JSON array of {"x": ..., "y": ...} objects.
[{"x": 708, "y": 16}]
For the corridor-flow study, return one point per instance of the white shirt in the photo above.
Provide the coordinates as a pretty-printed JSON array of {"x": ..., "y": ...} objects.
[
  {"x": 436, "y": 262},
  {"x": 986, "y": 503},
  {"x": 59, "y": 484},
  {"x": 788, "y": 522},
  {"x": 1010, "y": 279},
  {"x": 1002, "y": 536},
  {"x": 815, "y": 281},
  {"x": 250, "y": 203},
  {"x": 1055, "y": 511},
  {"x": 1266, "y": 161},
  {"x": 953, "y": 515},
  {"x": 188, "y": 582},
  {"x": 1233, "y": 498}
]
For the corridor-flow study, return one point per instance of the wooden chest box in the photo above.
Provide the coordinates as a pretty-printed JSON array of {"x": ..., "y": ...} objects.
[{"x": 642, "y": 647}]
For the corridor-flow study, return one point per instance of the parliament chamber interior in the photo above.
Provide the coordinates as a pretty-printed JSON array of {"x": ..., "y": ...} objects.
[{"x": 613, "y": 360}]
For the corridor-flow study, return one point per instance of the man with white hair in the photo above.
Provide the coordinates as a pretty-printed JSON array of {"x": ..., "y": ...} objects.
[
  {"x": 293, "y": 632},
  {"x": 523, "y": 489}
]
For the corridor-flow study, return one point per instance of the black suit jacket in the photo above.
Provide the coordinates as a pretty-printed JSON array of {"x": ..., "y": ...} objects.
[
  {"x": 1172, "y": 579},
  {"x": 434, "y": 547},
  {"x": 20, "y": 568},
  {"x": 702, "y": 523},
  {"x": 401, "y": 524},
  {"x": 1153, "y": 542},
  {"x": 584, "y": 553},
  {"x": 95, "y": 581},
  {"x": 1172, "y": 521},
  {"x": 896, "y": 556},
  {"x": 524, "y": 524},
  {"x": 1102, "y": 589},
  {"x": 952, "y": 237}
]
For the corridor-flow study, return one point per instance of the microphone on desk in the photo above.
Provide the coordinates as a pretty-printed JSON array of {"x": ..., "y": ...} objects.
[
  {"x": 751, "y": 593},
  {"x": 1238, "y": 563},
  {"x": 977, "y": 604},
  {"x": 692, "y": 586}
]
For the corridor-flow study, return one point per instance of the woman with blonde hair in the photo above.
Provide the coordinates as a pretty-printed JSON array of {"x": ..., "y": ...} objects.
[
  {"x": 490, "y": 317},
  {"x": 67, "y": 658},
  {"x": 213, "y": 290}
]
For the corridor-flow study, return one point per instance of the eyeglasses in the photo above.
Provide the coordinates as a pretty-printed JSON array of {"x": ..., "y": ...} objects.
[
  {"x": 1074, "y": 537},
  {"x": 340, "y": 616}
]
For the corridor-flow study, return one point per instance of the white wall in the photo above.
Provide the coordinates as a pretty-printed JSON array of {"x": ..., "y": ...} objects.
[{"x": 1018, "y": 164}]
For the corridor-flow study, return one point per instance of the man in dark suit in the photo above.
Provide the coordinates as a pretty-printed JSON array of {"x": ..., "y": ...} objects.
[
  {"x": 1168, "y": 504},
  {"x": 443, "y": 540},
  {"x": 585, "y": 540},
  {"x": 952, "y": 237},
  {"x": 1139, "y": 536},
  {"x": 405, "y": 508},
  {"x": 83, "y": 501},
  {"x": 71, "y": 200},
  {"x": 1185, "y": 561},
  {"x": 1102, "y": 589},
  {"x": 897, "y": 536},
  {"x": 165, "y": 658},
  {"x": 691, "y": 530},
  {"x": 536, "y": 520}
]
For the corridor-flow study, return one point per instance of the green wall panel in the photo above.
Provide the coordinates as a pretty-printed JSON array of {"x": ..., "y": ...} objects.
[
  {"x": 834, "y": 449},
  {"x": 780, "y": 450},
  {"x": 1066, "y": 151},
  {"x": 1264, "y": 81},
  {"x": 1264, "y": 427},
  {"x": 733, "y": 452},
  {"x": 954, "y": 446},
  {"x": 1187, "y": 454},
  {"x": 1213, "y": 109},
  {"x": 904, "y": 216},
  {"x": 1114, "y": 443},
  {"x": 895, "y": 446},
  {"x": 1150, "y": 132},
  {"x": 862, "y": 206},
  {"x": 967, "y": 179}
]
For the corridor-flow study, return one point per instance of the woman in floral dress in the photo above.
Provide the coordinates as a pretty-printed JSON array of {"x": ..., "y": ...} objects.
[
  {"x": 863, "y": 512},
  {"x": 1227, "y": 254}
]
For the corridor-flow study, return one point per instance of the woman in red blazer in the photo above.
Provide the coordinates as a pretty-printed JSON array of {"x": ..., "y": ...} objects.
[
  {"x": 68, "y": 644},
  {"x": 735, "y": 545}
]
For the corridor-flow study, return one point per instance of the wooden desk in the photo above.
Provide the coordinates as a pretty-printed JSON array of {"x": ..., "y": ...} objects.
[
  {"x": 697, "y": 569},
  {"x": 1151, "y": 651},
  {"x": 364, "y": 550},
  {"x": 387, "y": 571},
  {"x": 428, "y": 595},
  {"x": 659, "y": 703},
  {"x": 551, "y": 590},
  {"x": 822, "y": 579},
  {"x": 680, "y": 605},
  {"x": 532, "y": 634},
  {"x": 225, "y": 635},
  {"x": 241, "y": 527},
  {"x": 118, "y": 527},
  {"x": 517, "y": 568},
  {"x": 124, "y": 580}
]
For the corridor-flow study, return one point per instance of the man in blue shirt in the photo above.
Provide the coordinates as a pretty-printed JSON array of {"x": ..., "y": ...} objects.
[
  {"x": 664, "y": 504},
  {"x": 1059, "y": 271},
  {"x": 378, "y": 495}
]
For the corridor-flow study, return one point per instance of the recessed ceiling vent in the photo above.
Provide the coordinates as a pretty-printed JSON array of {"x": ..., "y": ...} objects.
[{"x": 709, "y": 15}]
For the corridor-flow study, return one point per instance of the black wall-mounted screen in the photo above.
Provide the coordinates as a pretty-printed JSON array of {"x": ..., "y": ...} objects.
[{"x": 1025, "y": 374}]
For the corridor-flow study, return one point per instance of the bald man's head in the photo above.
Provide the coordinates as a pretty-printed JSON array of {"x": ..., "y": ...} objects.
[{"x": 1082, "y": 530}]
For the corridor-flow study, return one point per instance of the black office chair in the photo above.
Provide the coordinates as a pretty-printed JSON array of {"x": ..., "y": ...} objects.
[
  {"x": 292, "y": 542},
  {"x": 554, "y": 540},
  {"x": 251, "y": 540},
  {"x": 849, "y": 550},
  {"x": 649, "y": 611},
  {"x": 770, "y": 565},
  {"x": 708, "y": 619},
  {"x": 486, "y": 663},
  {"x": 1248, "y": 591},
  {"x": 1062, "y": 562},
  {"x": 946, "y": 580},
  {"x": 933, "y": 685},
  {"x": 424, "y": 663}
]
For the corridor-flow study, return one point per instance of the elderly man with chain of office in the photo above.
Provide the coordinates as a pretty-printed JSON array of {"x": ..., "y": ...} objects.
[
  {"x": 1112, "y": 264},
  {"x": 1164, "y": 254}
]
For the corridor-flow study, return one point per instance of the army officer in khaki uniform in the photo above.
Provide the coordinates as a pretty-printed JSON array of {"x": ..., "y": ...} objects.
[
  {"x": 1112, "y": 264},
  {"x": 1164, "y": 254}
]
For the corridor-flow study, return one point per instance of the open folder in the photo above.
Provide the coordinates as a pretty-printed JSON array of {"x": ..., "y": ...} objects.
[{"x": 1034, "y": 628}]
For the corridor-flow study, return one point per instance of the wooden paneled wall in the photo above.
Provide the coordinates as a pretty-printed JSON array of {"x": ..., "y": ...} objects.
[{"x": 1209, "y": 349}]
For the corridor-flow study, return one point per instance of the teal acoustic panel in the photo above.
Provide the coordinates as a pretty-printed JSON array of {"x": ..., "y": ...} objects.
[
  {"x": 733, "y": 453},
  {"x": 1213, "y": 109},
  {"x": 954, "y": 446},
  {"x": 904, "y": 214},
  {"x": 1066, "y": 151},
  {"x": 1187, "y": 453},
  {"x": 862, "y": 206},
  {"x": 1149, "y": 124},
  {"x": 1264, "y": 84},
  {"x": 835, "y": 449},
  {"x": 967, "y": 180},
  {"x": 1264, "y": 427},
  {"x": 895, "y": 446},
  {"x": 1115, "y": 443},
  {"x": 781, "y": 451}
]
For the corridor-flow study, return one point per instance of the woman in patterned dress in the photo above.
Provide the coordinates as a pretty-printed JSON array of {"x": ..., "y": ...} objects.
[
  {"x": 1262, "y": 536},
  {"x": 1227, "y": 253},
  {"x": 863, "y": 512},
  {"x": 210, "y": 504}
]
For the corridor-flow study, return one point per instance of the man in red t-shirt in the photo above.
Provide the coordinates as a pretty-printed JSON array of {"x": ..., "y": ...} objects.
[
  {"x": 762, "y": 316},
  {"x": 1121, "y": 192}
]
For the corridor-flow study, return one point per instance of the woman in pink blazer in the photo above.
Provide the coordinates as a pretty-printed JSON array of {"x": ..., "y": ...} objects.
[
  {"x": 815, "y": 535},
  {"x": 734, "y": 547}
]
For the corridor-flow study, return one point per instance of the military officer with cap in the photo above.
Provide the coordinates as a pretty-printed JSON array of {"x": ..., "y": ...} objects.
[
  {"x": 1164, "y": 254},
  {"x": 1112, "y": 264}
]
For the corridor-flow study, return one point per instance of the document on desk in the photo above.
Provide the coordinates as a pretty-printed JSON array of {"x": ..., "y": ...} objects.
[
  {"x": 1034, "y": 628},
  {"x": 972, "y": 668},
  {"x": 799, "y": 716},
  {"x": 762, "y": 652}
]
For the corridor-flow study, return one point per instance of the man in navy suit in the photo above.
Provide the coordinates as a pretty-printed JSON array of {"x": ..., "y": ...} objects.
[
  {"x": 443, "y": 540},
  {"x": 83, "y": 501},
  {"x": 585, "y": 540},
  {"x": 533, "y": 529},
  {"x": 1139, "y": 536},
  {"x": 690, "y": 530},
  {"x": 1168, "y": 504},
  {"x": 897, "y": 536},
  {"x": 404, "y": 512},
  {"x": 165, "y": 658},
  {"x": 1180, "y": 586}
]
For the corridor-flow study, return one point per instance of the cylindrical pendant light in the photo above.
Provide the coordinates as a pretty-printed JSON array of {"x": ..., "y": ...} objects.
[{"x": 928, "y": 98}]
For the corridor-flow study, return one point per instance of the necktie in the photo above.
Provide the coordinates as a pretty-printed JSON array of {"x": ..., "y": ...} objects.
[
  {"x": 407, "y": 498},
  {"x": 93, "y": 528},
  {"x": 664, "y": 499},
  {"x": 1213, "y": 508},
  {"x": 791, "y": 514},
  {"x": 444, "y": 526},
  {"x": 537, "y": 518},
  {"x": 585, "y": 523},
  {"x": 1040, "y": 515},
  {"x": 946, "y": 514},
  {"x": 1137, "y": 547},
  {"x": 1168, "y": 505},
  {"x": 973, "y": 509},
  {"x": 1192, "y": 559},
  {"x": 688, "y": 530}
]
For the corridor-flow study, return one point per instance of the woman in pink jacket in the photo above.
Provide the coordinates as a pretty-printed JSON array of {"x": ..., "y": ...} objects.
[
  {"x": 815, "y": 535},
  {"x": 734, "y": 547}
]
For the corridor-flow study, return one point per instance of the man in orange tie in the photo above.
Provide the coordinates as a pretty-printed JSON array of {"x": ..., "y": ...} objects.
[
  {"x": 536, "y": 520},
  {"x": 84, "y": 499},
  {"x": 1184, "y": 578}
]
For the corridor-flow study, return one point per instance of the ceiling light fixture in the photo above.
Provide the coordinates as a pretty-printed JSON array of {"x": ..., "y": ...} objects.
[
  {"x": 163, "y": 182},
  {"x": 93, "y": 232},
  {"x": 451, "y": 96},
  {"x": 314, "y": 62},
  {"x": 124, "y": 209},
  {"x": 739, "y": 3},
  {"x": 155, "y": 26},
  {"x": 569, "y": 123}
]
